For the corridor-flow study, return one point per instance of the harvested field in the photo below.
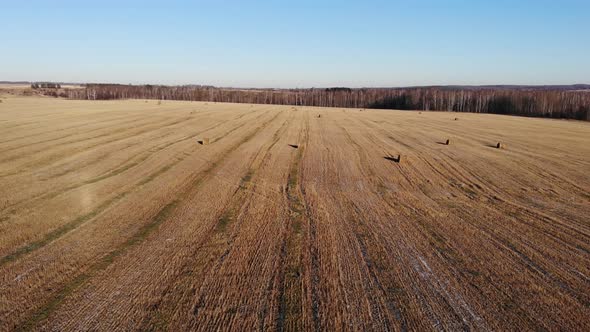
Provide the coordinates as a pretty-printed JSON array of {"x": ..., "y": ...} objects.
[{"x": 114, "y": 217}]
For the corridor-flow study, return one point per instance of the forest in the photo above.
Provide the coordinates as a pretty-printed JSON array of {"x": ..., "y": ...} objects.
[{"x": 534, "y": 102}]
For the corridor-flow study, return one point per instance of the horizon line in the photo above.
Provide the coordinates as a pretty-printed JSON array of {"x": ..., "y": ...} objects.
[{"x": 586, "y": 85}]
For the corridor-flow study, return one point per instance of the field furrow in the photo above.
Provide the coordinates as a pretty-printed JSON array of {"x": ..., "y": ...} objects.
[{"x": 116, "y": 216}]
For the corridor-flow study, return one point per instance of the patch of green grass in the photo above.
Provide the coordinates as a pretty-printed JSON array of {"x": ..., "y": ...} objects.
[
  {"x": 297, "y": 226},
  {"x": 247, "y": 178},
  {"x": 223, "y": 221}
]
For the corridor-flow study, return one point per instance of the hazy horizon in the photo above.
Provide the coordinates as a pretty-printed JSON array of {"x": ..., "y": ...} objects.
[
  {"x": 301, "y": 87},
  {"x": 303, "y": 45}
]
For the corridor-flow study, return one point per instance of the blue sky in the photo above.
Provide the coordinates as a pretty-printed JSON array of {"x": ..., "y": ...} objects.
[{"x": 297, "y": 43}]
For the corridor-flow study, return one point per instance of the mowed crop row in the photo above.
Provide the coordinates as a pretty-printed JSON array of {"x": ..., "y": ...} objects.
[{"x": 113, "y": 217}]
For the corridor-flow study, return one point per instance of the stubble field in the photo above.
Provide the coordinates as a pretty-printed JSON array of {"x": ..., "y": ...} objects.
[{"x": 114, "y": 217}]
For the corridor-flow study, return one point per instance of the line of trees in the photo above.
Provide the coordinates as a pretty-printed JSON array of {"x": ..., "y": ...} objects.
[
  {"x": 44, "y": 85},
  {"x": 551, "y": 103}
]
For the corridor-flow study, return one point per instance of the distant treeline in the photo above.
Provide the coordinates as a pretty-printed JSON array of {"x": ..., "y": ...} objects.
[
  {"x": 45, "y": 85},
  {"x": 553, "y": 103}
]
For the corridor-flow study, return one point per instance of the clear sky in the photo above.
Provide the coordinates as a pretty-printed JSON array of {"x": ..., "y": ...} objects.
[{"x": 297, "y": 43}]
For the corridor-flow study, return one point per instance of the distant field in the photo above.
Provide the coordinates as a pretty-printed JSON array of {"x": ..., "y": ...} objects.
[
  {"x": 14, "y": 89},
  {"x": 114, "y": 217},
  {"x": 28, "y": 86}
]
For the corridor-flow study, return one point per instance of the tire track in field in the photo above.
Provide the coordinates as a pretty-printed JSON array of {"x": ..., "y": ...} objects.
[
  {"x": 144, "y": 128},
  {"x": 452, "y": 303},
  {"x": 48, "y": 117},
  {"x": 491, "y": 192},
  {"x": 20, "y": 125},
  {"x": 448, "y": 253},
  {"x": 363, "y": 236},
  {"x": 83, "y": 149},
  {"x": 119, "y": 121},
  {"x": 494, "y": 193},
  {"x": 559, "y": 180},
  {"x": 501, "y": 242},
  {"x": 290, "y": 298},
  {"x": 100, "y": 177},
  {"x": 110, "y": 130},
  {"x": 118, "y": 170},
  {"x": 454, "y": 262},
  {"x": 73, "y": 224},
  {"x": 555, "y": 228},
  {"x": 311, "y": 252},
  {"x": 495, "y": 197},
  {"x": 95, "y": 109},
  {"x": 57, "y": 156},
  {"x": 123, "y": 168},
  {"x": 217, "y": 240},
  {"x": 153, "y": 149},
  {"x": 505, "y": 239},
  {"x": 442, "y": 244},
  {"x": 498, "y": 196},
  {"x": 79, "y": 126},
  {"x": 152, "y": 225}
]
